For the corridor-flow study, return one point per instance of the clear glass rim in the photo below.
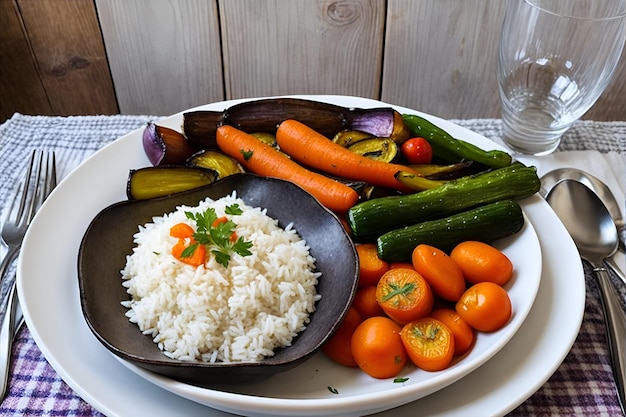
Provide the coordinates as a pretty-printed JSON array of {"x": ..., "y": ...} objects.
[{"x": 620, "y": 15}]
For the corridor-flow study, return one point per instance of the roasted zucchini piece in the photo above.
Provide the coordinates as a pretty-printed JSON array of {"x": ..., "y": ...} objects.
[
  {"x": 221, "y": 163},
  {"x": 380, "y": 149},
  {"x": 267, "y": 138},
  {"x": 346, "y": 138},
  {"x": 151, "y": 182}
]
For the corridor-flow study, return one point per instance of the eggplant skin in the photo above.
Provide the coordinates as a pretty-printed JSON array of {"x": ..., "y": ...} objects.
[
  {"x": 265, "y": 115},
  {"x": 160, "y": 181}
]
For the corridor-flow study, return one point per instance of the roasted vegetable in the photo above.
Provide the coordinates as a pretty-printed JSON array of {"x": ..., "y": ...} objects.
[
  {"x": 379, "y": 149},
  {"x": 452, "y": 150},
  {"x": 370, "y": 219},
  {"x": 312, "y": 149},
  {"x": 260, "y": 158},
  {"x": 485, "y": 224},
  {"x": 346, "y": 138},
  {"x": 264, "y": 115},
  {"x": 370, "y": 192},
  {"x": 416, "y": 182},
  {"x": 267, "y": 138},
  {"x": 223, "y": 164},
  {"x": 165, "y": 146},
  {"x": 436, "y": 172},
  {"x": 160, "y": 181}
]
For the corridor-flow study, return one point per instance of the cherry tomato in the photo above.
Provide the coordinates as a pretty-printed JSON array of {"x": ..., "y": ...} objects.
[
  {"x": 429, "y": 343},
  {"x": 377, "y": 347},
  {"x": 440, "y": 271},
  {"x": 365, "y": 302},
  {"x": 417, "y": 151},
  {"x": 482, "y": 262},
  {"x": 485, "y": 306},
  {"x": 338, "y": 348},
  {"x": 371, "y": 267},
  {"x": 463, "y": 333},
  {"x": 404, "y": 295}
]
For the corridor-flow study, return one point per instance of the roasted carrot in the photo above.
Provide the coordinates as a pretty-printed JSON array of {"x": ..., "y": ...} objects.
[
  {"x": 263, "y": 159},
  {"x": 316, "y": 151}
]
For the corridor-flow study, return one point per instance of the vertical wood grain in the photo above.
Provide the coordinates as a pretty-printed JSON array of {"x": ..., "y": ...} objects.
[
  {"x": 68, "y": 48},
  {"x": 21, "y": 89},
  {"x": 278, "y": 47},
  {"x": 440, "y": 56},
  {"x": 164, "y": 55}
]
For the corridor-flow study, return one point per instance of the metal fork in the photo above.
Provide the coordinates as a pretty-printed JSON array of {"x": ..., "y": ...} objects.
[{"x": 39, "y": 182}]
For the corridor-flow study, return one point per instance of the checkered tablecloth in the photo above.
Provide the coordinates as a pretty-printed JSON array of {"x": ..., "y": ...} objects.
[{"x": 582, "y": 385}]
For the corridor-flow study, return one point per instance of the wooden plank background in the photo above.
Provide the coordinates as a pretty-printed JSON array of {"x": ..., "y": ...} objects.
[{"x": 163, "y": 56}]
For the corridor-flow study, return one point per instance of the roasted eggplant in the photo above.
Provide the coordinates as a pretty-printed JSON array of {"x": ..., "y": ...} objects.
[
  {"x": 347, "y": 138},
  {"x": 221, "y": 163},
  {"x": 266, "y": 114},
  {"x": 379, "y": 149},
  {"x": 151, "y": 182},
  {"x": 165, "y": 146}
]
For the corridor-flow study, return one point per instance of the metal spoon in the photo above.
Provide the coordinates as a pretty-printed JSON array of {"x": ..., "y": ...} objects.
[
  {"x": 604, "y": 193},
  {"x": 589, "y": 223}
]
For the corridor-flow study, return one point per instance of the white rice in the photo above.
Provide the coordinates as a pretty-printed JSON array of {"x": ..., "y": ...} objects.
[{"x": 217, "y": 314}]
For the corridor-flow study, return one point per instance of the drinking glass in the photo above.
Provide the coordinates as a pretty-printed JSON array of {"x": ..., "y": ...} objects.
[{"x": 555, "y": 59}]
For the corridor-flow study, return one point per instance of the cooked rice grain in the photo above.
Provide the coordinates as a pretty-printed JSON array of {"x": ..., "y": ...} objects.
[{"x": 212, "y": 313}]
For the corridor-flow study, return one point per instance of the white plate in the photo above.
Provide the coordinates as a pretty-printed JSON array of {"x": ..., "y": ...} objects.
[{"x": 53, "y": 313}]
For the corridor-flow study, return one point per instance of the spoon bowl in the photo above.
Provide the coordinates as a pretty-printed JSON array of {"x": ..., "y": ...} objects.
[
  {"x": 605, "y": 194},
  {"x": 586, "y": 219},
  {"x": 590, "y": 224}
]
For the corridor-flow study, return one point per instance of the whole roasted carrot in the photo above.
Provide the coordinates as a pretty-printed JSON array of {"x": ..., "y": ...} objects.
[
  {"x": 262, "y": 159},
  {"x": 316, "y": 151}
]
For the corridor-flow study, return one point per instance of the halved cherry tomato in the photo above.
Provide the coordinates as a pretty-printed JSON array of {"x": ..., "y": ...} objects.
[
  {"x": 482, "y": 262},
  {"x": 366, "y": 304},
  {"x": 417, "y": 151},
  {"x": 429, "y": 343},
  {"x": 463, "y": 333},
  {"x": 444, "y": 276},
  {"x": 377, "y": 347},
  {"x": 485, "y": 306},
  {"x": 338, "y": 348},
  {"x": 371, "y": 267},
  {"x": 404, "y": 295}
]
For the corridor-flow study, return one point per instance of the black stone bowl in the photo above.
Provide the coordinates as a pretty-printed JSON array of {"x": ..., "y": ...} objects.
[{"x": 109, "y": 239}]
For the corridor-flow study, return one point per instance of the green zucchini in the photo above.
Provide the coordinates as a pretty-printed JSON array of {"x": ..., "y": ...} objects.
[
  {"x": 485, "y": 223},
  {"x": 372, "y": 218},
  {"x": 450, "y": 149}
]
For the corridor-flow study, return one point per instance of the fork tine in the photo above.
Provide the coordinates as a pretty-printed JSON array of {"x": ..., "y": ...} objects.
[
  {"x": 30, "y": 194},
  {"x": 51, "y": 174},
  {"x": 24, "y": 191}
]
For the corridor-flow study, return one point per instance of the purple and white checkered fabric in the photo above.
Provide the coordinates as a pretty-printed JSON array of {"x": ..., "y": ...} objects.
[{"x": 582, "y": 386}]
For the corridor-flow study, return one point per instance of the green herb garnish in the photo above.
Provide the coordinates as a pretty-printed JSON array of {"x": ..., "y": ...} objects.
[
  {"x": 333, "y": 390},
  {"x": 217, "y": 235},
  {"x": 247, "y": 154},
  {"x": 400, "y": 380}
]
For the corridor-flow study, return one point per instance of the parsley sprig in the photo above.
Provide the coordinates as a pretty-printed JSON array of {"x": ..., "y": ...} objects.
[{"x": 216, "y": 236}]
